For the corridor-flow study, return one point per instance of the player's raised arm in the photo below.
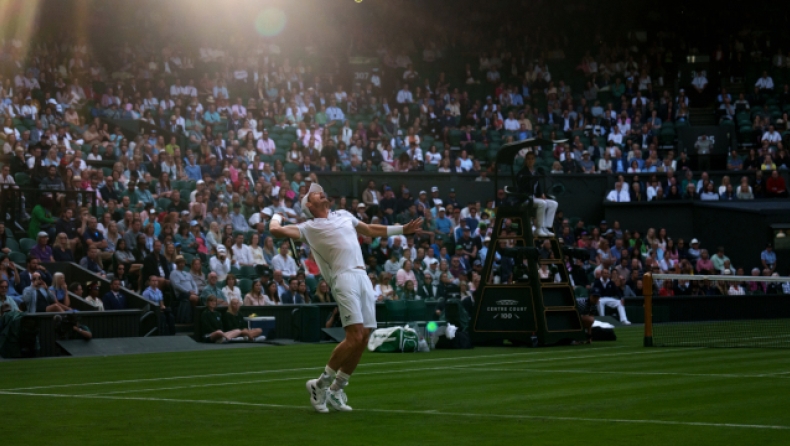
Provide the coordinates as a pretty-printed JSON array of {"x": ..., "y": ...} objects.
[
  {"x": 386, "y": 231},
  {"x": 280, "y": 231}
]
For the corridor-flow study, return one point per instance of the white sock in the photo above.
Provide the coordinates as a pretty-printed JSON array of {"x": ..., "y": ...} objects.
[
  {"x": 326, "y": 378},
  {"x": 341, "y": 381}
]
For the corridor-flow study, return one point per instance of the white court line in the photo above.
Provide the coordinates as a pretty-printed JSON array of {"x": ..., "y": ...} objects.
[
  {"x": 417, "y": 412},
  {"x": 259, "y": 372},
  {"x": 775, "y": 374},
  {"x": 421, "y": 369},
  {"x": 597, "y": 372}
]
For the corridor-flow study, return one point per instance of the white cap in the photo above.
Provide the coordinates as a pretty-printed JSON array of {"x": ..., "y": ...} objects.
[
  {"x": 693, "y": 241},
  {"x": 267, "y": 211},
  {"x": 200, "y": 182},
  {"x": 442, "y": 209},
  {"x": 313, "y": 189},
  {"x": 434, "y": 189}
]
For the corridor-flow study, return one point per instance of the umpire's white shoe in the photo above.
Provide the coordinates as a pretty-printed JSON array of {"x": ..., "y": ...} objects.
[
  {"x": 317, "y": 396},
  {"x": 337, "y": 399},
  {"x": 542, "y": 232}
]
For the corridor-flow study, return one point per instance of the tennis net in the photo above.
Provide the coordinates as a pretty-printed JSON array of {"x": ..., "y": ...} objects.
[{"x": 716, "y": 311}]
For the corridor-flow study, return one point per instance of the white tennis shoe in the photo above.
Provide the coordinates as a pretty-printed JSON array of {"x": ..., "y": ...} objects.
[
  {"x": 317, "y": 396},
  {"x": 338, "y": 399}
]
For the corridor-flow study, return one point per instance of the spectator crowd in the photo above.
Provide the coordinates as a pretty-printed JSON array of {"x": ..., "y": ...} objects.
[{"x": 189, "y": 152}]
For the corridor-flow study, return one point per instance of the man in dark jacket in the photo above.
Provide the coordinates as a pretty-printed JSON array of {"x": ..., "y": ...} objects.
[{"x": 155, "y": 264}]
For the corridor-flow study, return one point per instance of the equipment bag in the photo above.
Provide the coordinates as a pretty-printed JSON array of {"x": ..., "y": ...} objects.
[
  {"x": 603, "y": 334},
  {"x": 394, "y": 339}
]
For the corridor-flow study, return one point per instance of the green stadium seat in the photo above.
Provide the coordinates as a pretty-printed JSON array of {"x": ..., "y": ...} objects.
[
  {"x": 12, "y": 244},
  {"x": 245, "y": 286},
  {"x": 163, "y": 203},
  {"x": 311, "y": 282},
  {"x": 26, "y": 244},
  {"x": 22, "y": 179},
  {"x": 18, "y": 258},
  {"x": 248, "y": 271}
]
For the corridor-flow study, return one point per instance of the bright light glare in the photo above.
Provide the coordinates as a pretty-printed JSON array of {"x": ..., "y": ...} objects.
[{"x": 270, "y": 22}]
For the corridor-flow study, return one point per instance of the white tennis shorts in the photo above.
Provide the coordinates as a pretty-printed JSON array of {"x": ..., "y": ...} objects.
[{"x": 355, "y": 298}]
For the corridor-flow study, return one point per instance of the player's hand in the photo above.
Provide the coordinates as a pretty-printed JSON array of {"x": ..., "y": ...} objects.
[{"x": 412, "y": 226}]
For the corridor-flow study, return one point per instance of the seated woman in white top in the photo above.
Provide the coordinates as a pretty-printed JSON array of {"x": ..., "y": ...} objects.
[
  {"x": 433, "y": 156},
  {"x": 257, "y": 251},
  {"x": 231, "y": 290},
  {"x": 256, "y": 298},
  {"x": 384, "y": 290}
]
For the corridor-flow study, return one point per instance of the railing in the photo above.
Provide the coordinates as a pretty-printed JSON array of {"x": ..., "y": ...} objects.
[
  {"x": 149, "y": 315},
  {"x": 102, "y": 324}
]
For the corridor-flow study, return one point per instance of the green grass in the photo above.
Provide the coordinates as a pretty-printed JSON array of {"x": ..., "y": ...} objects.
[{"x": 606, "y": 393}]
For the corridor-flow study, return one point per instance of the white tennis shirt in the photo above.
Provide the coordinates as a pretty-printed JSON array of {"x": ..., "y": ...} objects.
[{"x": 334, "y": 243}]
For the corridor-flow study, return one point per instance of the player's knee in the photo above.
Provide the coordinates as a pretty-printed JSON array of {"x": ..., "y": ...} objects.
[{"x": 356, "y": 335}]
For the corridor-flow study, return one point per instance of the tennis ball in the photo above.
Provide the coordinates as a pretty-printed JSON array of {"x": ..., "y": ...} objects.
[{"x": 431, "y": 327}]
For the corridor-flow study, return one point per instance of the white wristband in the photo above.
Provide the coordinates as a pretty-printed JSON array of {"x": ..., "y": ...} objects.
[
  {"x": 278, "y": 218},
  {"x": 394, "y": 230}
]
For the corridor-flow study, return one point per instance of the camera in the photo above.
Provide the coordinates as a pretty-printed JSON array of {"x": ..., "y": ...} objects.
[{"x": 64, "y": 326}]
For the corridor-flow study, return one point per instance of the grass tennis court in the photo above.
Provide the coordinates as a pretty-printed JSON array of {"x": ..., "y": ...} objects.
[{"x": 606, "y": 393}]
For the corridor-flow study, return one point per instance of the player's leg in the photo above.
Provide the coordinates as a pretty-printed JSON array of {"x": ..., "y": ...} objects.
[
  {"x": 357, "y": 335},
  {"x": 346, "y": 294}
]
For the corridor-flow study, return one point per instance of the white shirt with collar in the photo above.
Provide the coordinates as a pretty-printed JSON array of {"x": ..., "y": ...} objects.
[
  {"x": 615, "y": 196},
  {"x": 765, "y": 83},
  {"x": 242, "y": 254}
]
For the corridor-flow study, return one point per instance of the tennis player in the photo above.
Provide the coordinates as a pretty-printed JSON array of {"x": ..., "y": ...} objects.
[{"x": 333, "y": 239}]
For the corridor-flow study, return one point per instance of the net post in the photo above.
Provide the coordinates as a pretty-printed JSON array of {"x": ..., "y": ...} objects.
[{"x": 648, "y": 289}]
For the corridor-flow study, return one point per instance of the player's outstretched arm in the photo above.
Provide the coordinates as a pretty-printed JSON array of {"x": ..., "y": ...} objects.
[
  {"x": 386, "y": 231},
  {"x": 280, "y": 231}
]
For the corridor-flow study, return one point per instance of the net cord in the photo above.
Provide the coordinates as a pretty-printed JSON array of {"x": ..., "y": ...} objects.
[{"x": 720, "y": 278}]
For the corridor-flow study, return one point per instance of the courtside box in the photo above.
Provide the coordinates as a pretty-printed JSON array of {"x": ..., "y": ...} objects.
[{"x": 265, "y": 323}]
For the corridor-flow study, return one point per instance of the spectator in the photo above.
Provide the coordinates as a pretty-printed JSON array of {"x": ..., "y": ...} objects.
[
  {"x": 93, "y": 296},
  {"x": 291, "y": 296},
  {"x": 114, "y": 299},
  {"x": 704, "y": 264},
  {"x": 256, "y": 296},
  {"x": 167, "y": 322},
  {"x": 211, "y": 323},
  {"x": 231, "y": 290},
  {"x": 185, "y": 287},
  {"x": 60, "y": 249},
  {"x": 42, "y": 251},
  {"x": 41, "y": 218},
  {"x": 5, "y": 299},
  {"x": 221, "y": 265},
  {"x": 618, "y": 194},
  {"x": 610, "y": 297},
  {"x": 405, "y": 274},
  {"x": 212, "y": 289},
  {"x": 234, "y": 325},
  {"x": 283, "y": 262},
  {"x": 92, "y": 262},
  {"x": 775, "y": 186},
  {"x": 768, "y": 258}
]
